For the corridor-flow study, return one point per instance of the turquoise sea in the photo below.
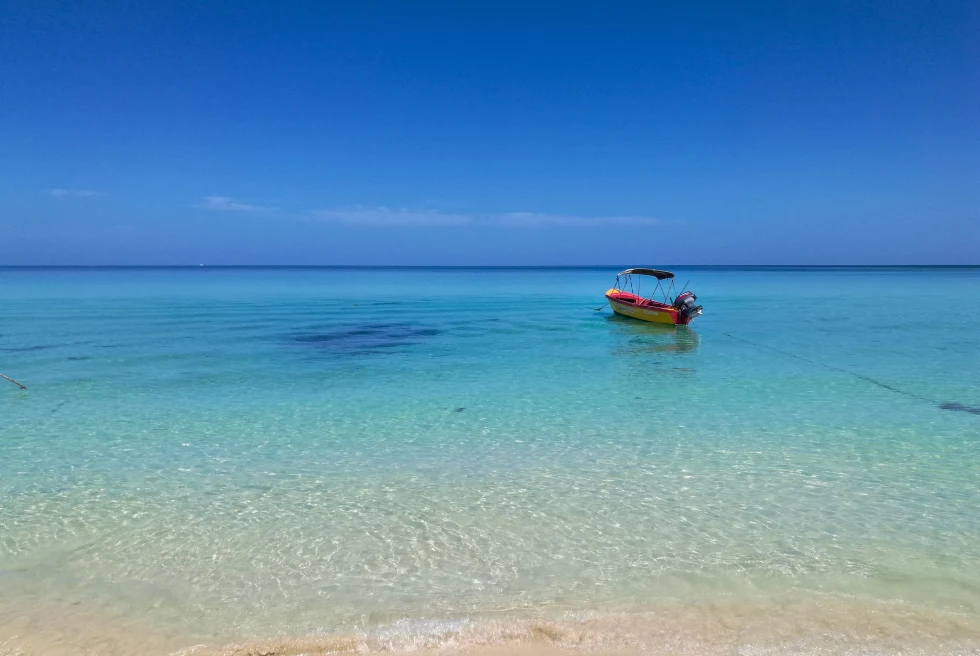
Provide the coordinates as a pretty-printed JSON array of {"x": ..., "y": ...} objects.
[{"x": 404, "y": 459}]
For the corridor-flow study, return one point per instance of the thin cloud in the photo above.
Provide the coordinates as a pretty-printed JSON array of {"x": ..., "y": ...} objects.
[
  {"x": 228, "y": 204},
  {"x": 74, "y": 193},
  {"x": 383, "y": 216},
  {"x": 544, "y": 220}
]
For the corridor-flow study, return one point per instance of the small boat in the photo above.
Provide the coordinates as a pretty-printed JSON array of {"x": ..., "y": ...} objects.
[{"x": 677, "y": 310}]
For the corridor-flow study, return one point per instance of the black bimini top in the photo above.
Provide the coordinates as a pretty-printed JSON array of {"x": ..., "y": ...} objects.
[{"x": 656, "y": 273}]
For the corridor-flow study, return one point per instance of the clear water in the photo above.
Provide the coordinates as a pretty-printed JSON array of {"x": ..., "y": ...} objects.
[{"x": 227, "y": 454}]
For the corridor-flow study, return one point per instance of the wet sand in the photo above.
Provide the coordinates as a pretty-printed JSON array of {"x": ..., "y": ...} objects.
[{"x": 818, "y": 627}]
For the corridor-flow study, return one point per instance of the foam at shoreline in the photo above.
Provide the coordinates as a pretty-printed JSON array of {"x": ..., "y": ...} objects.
[{"x": 815, "y": 626}]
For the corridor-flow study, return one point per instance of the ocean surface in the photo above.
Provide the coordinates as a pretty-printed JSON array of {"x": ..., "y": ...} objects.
[{"x": 299, "y": 459}]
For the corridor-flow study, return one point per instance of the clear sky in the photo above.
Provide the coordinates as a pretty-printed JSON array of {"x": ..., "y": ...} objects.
[{"x": 489, "y": 133}]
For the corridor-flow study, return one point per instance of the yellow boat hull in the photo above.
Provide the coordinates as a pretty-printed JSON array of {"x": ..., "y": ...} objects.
[
  {"x": 653, "y": 315},
  {"x": 643, "y": 314}
]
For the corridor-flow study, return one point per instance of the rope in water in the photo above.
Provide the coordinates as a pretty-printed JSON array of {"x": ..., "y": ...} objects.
[
  {"x": 23, "y": 387},
  {"x": 959, "y": 407},
  {"x": 832, "y": 368}
]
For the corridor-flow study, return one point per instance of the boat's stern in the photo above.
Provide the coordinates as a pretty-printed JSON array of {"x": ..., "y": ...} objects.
[{"x": 686, "y": 308}]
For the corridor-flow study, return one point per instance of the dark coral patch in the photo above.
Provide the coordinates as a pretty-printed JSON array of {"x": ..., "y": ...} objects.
[
  {"x": 365, "y": 339},
  {"x": 959, "y": 407}
]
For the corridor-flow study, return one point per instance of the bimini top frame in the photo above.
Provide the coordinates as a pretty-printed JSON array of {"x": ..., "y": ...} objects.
[
  {"x": 624, "y": 282},
  {"x": 656, "y": 273}
]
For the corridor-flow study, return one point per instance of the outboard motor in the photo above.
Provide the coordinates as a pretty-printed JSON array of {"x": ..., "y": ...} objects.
[{"x": 684, "y": 304}]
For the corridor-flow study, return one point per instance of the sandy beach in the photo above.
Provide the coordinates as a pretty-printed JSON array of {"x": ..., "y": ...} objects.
[{"x": 817, "y": 627}]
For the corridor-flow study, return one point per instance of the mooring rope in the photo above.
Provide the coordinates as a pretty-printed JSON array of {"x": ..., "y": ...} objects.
[
  {"x": 831, "y": 367},
  {"x": 868, "y": 379},
  {"x": 23, "y": 387}
]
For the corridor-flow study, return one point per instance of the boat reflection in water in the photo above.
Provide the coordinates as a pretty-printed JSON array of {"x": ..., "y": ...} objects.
[{"x": 641, "y": 337}]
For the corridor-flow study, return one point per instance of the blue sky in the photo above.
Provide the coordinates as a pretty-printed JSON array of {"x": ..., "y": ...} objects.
[{"x": 472, "y": 133}]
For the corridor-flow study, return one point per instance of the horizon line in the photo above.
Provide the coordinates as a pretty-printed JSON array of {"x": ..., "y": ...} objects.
[{"x": 484, "y": 266}]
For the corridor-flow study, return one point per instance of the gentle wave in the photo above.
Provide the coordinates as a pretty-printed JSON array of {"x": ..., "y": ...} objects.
[{"x": 814, "y": 626}]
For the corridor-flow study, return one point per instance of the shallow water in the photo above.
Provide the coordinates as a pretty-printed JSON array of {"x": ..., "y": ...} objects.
[{"x": 221, "y": 455}]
